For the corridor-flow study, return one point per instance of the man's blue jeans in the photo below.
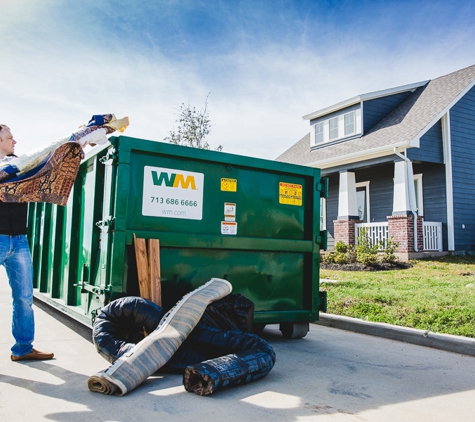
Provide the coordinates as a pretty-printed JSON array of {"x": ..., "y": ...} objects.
[{"x": 16, "y": 258}]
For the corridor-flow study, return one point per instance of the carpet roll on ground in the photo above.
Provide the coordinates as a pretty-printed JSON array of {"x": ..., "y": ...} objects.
[{"x": 154, "y": 351}]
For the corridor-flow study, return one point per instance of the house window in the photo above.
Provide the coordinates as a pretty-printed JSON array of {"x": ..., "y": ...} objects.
[
  {"x": 323, "y": 214},
  {"x": 362, "y": 201},
  {"x": 333, "y": 124},
  {"x": 419, "y": 195},
  {"x": 319, "y": 133},
  {"x": 350, "y": 123}
]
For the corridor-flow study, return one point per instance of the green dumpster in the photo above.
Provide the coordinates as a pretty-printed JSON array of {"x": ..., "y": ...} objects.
[{"x": 253, "y": 222}]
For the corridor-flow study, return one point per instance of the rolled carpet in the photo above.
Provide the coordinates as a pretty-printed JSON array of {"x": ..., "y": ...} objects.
[
  {"x": 154, "y": 351},
  {"x": 253, "y": 358}
]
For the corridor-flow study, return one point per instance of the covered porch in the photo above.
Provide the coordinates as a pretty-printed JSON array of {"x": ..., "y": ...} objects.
[{"x": 404, "y": 221}]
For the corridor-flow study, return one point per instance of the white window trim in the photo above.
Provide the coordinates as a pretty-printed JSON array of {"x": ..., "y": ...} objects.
[
  {"x": 323, "y": 213},
  {"x": 366, "y": 186},
  {"x": 419, "y": 194}
]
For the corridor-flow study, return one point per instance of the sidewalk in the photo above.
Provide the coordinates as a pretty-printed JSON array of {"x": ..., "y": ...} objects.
[{"x": 330, "y": 375}]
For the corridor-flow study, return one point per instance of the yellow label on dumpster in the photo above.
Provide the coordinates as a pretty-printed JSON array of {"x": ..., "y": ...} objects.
[
  {"x": 290, "y": 194},
  {"x": 229, "y": 185}
]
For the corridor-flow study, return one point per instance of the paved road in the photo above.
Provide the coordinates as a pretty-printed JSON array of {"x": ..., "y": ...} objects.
[{"x": 331, "y": 375}]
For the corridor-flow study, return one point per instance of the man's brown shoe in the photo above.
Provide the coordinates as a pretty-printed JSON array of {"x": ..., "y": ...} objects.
[{"x": 34, "y": 355}]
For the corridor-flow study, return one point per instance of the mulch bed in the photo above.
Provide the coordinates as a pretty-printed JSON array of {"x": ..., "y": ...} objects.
[{"x": 361, "y": 267}]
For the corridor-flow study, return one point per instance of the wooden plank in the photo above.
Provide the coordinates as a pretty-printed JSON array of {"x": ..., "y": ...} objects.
[
  {"x": 142, "y": 267},
  {"x": 155, "y": 277}
]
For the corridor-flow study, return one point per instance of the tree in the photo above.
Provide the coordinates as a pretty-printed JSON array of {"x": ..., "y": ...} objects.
[{"x": 193, "y": 126}]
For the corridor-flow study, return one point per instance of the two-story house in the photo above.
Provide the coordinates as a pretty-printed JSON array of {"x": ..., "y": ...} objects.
[{"x": 400, "y": 162}]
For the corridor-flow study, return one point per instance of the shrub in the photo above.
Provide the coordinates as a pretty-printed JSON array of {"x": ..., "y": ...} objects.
[
  {"x": 388, "y": 252},
  {"x": 341, "y": 247},
  {"x": 364, "y": 252}
]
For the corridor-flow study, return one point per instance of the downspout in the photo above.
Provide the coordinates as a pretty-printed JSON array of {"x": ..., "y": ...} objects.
[{"x": 411, "y": 187}]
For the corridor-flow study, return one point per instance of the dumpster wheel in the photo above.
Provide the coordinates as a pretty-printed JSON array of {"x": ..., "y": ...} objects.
[
  {"x": 294, "y": 329},
  {"x": 258, "y": 328}
]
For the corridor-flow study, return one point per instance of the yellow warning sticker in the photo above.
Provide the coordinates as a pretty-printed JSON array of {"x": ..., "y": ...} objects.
[
  {"x": 290, "y": 194},
  {"x": 229, "y": 185}
]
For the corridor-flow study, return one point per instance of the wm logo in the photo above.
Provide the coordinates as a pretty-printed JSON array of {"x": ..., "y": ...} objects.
[{"x": 173, "y": 180}]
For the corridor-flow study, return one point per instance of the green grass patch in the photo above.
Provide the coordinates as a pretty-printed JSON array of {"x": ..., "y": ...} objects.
[{"x": 436, "y": 294}]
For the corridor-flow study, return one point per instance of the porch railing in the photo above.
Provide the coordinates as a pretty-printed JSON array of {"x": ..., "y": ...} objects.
[
  {"x": 377, "y": 232},
  {"x": 432, "y": 236}
]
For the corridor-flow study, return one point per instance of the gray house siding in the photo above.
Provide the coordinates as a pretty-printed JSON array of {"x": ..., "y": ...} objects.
[
  {"x": 434, "y": 195},
  {"x": 375, "y": 110},
  {"x": 462, "y": 126},
  {"x": 380, "y": 190},
  {"x": 431, "y": 147}
]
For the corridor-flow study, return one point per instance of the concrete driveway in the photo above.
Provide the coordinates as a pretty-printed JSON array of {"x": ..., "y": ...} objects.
[{"x": 331, "y": 374}]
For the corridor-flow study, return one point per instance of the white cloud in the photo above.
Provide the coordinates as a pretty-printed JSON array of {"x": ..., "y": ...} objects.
[{"x": 53, "y": 79}]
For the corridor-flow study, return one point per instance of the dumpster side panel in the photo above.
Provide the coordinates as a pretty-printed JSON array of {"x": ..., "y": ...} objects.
[
  {"x": 65, "y": 245},
  {"x": 270, "y": 254},
  {"x": 254, "y": 222}
]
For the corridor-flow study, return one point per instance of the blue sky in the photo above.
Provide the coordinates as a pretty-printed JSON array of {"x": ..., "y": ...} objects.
[{"x": 265, "y": 64}]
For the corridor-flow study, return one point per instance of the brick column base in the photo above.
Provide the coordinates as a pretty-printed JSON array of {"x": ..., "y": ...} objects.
[
  {"x": 401, "y": 229},
  {"x": 344, "y": 231}
]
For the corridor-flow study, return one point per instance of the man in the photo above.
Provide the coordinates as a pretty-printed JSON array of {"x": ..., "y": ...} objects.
[
  {"x": 16, "y": 258},
  {"x": 14, "y": 251}
]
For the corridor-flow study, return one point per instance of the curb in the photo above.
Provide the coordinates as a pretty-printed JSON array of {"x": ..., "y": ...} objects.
[{"x": 447, "y": 342}]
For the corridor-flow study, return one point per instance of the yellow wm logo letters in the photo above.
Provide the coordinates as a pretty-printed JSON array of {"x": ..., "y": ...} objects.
[{"x": 173, "y": 180}]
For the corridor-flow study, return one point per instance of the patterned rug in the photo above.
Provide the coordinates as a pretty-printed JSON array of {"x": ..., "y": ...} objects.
[
  {"x": 52, "y": 183},
  {"x": 155, "y": 350},
  {"x": 47, "y": 174}
]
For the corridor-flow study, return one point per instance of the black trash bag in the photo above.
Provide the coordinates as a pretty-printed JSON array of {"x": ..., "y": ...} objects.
[
  {"x": 123, "y": 323},
  {"x": 232, "y": 312}
]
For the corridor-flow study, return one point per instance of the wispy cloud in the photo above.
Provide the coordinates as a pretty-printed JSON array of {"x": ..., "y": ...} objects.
[{"x": 264, "y": 65}]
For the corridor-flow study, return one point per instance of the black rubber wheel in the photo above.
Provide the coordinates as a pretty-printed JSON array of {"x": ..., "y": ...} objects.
[
  {"x": 258, "y": 328},
  {"x": 294, "y": 329}
]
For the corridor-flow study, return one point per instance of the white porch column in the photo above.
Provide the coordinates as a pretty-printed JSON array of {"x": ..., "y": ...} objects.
[
  {"x": 347, "y": 205},
  {"x": 404, "y": 198}
]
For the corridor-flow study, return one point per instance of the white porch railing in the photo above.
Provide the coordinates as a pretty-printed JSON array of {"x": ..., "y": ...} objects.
[
  {"x": 432, "y": 236},
  {"x": 377, "y": 232}
]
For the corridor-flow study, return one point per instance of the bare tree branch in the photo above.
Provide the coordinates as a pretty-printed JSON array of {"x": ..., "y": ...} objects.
[{"x": 193, "y": 127}]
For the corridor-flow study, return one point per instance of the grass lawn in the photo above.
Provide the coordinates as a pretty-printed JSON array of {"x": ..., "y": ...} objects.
[{"x": 436, "y": 294}]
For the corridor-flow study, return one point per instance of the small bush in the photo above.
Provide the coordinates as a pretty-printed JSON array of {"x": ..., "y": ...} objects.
[
  {"x": 341, "y": 247},
  {"x": 388, "y": 252},
  {"x": 364, "y": 252}
]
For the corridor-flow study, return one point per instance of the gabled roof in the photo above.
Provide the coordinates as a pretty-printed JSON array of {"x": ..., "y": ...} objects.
[
  {"x": 402, "y": 128},
  {"x": 363, "y": 97}
]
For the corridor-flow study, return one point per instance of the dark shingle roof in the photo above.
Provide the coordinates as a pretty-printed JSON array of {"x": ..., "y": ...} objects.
[{"x": 402, "y": 127}]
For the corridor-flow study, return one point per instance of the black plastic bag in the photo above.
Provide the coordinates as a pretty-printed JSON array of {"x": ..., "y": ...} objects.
[{"x": 232, "y": 312}]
